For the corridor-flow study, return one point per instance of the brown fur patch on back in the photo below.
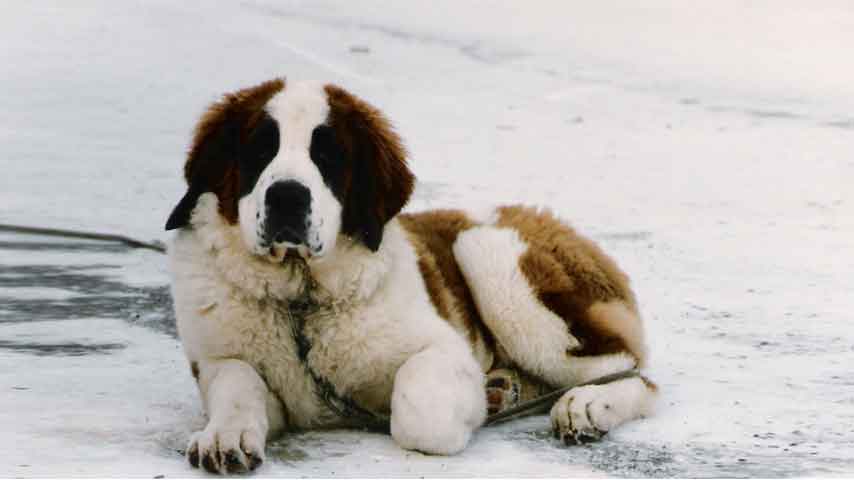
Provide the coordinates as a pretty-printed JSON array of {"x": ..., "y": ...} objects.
[
  {"x": 211, "y": 161},
  {"x": 380, "y": 181},
  {"x": 570, "y": 274},
  {"x": 433, "y": 235}
]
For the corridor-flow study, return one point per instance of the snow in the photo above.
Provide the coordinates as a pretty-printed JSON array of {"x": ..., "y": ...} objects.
[{"x": 706, "y": 146}]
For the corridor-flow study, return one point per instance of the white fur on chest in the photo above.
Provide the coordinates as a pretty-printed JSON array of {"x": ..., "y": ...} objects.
[
  {"x": 218, "y": 321},
  {"x": 225, "y": 308}
]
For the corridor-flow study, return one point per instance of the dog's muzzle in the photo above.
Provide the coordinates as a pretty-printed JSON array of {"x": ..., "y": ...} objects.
[{"x": 288, "y": 205}]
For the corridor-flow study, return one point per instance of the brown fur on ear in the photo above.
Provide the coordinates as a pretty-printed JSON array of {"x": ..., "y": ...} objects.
[
  {"x": 380, "y": 181},
  {"x": 211, "y": 164}
]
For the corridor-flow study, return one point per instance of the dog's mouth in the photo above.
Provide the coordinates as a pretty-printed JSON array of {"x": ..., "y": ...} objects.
[
  {"x": 284, "y": 253},
  {"x": 289, "y": 235},
  {"x": 277, "y": 243},
  {"x": 286, "y": 243}
]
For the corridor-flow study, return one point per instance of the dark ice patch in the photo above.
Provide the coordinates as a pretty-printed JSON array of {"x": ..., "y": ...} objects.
[
  {"x": 772, "y": 114},
  {"x": 70, "y": 349},
  {"x": 476, "y": 51},
  {"x": 756, "y": 112},
  {"x": 625, "y": 236},
  {"x": 845, "y": 124},
  {"x": 96, "y": 294},
  {"x": 769, "y": 457}
]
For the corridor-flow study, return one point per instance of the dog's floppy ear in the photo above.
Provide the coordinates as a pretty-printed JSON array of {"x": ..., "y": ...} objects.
[
  {"x": 212, "y": 163},
  {"x": 380, "y": 182},
  {"x": 180, "y": 216}
]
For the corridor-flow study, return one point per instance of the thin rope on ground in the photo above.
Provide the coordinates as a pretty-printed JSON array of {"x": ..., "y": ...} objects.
[
  {"x": 543, "y": 403},
  {"x": 104, "y": 237}
]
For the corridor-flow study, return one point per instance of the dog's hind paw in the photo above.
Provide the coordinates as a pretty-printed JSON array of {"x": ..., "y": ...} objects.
[
  {"x": 507, "y": 388},
  {"x": 502, "y": 390},
  {"x": 578, "y": 417},
  {"x": 585, "y": 414}
]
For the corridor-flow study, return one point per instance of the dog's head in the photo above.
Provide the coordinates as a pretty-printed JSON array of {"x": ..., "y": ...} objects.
[{"x": 294, "y": 166}]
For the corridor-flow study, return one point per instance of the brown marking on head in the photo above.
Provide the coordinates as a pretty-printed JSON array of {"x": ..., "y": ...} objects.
[
  {"x": 433, "y": 235},
  {"x": 379, "y": 182},
  {"x": 212, "y": 163},
  {"x": 569, "y": 274}
]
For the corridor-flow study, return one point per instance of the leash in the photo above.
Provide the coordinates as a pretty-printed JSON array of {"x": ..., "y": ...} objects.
[
  {"x": 104, "y": 237},
  {"x": 310, "y": 301},
  {"x": 346, "y": 408},
  {"x": 543, "y": 403},
  {"x": 306, "y": 304}
]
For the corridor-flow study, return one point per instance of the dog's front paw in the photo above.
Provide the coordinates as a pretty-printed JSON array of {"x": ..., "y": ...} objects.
[
  {"x": 226, "y": 450},
  {"x": 582, "y": 415}
]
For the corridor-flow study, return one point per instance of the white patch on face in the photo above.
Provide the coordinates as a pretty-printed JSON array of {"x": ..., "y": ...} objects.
[{"x": 298, "y": 110}]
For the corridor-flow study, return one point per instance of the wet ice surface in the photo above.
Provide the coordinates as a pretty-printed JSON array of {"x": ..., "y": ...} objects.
[{"x": 716, "y": 169}]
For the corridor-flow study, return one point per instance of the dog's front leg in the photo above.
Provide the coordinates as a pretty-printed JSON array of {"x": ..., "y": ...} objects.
[
  {"x": 438, "y": 400},
  {"x": 241, "y": 413}
]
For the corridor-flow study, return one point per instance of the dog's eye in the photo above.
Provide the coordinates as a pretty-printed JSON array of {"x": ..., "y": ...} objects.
[
  {"x": 323, "y": 148},
  {"x": 327, "y": 154},
  {"x": 265, "y": 155},
  {"x": 320, "y": 156},
  {"x": 263, "y": 144},
  {"x": 257, "y": 152}
]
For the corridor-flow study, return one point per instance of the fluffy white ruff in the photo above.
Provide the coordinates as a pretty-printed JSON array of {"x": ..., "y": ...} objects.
[{"x": 385, "y": 345}]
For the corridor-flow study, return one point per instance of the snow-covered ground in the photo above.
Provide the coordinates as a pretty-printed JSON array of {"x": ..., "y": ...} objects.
[{"x": 708, "y": 146}]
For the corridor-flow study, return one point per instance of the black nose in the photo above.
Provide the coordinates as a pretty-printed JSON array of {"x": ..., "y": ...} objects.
[{"x": 288, "y": 206}]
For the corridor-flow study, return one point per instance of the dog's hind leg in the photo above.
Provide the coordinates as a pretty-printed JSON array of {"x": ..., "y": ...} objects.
[
  {"x": 533, "y": 336},
  {"x": 562, "y": 321}
]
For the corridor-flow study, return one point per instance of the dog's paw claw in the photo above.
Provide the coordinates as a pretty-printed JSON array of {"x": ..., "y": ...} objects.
[
  {"x": 193, "y": 455},
  {"x": 209, "y": 462},
  {"x": 580, "y": 437},
  {"x": 254, "y": 461},
  {"x": 226, "y": 451},
  {"x": 590, "y": 435},
  {"x": 233, "y": 462},
  {"x": 572, "y": 419}
]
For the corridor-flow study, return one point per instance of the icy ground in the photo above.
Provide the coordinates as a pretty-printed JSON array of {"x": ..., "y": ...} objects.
[{"x": 709, "y": 146}]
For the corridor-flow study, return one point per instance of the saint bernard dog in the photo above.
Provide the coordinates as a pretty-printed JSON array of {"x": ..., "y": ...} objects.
[{"x": 305, "y": 299}]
